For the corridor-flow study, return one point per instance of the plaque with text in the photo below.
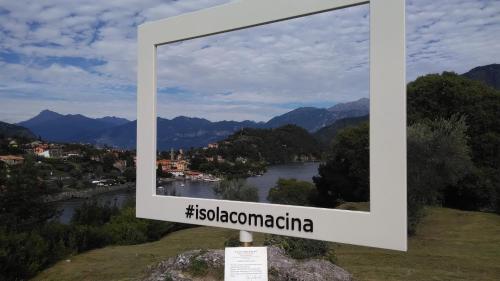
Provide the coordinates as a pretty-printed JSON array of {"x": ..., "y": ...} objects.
[{"x": 245, "y": 263}]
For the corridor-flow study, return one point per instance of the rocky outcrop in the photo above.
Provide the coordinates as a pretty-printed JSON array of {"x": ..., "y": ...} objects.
[{"x": 281, "y": 267}]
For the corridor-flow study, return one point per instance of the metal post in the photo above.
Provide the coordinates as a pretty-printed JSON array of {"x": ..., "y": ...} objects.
[{"x": 246, "y": 238}]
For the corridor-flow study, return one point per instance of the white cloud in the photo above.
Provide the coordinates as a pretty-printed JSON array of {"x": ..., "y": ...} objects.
[{"x": 49, "y": 46}]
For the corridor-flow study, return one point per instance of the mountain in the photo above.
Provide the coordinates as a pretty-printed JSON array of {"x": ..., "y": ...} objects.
[
  {"x": 10, "y": 130},
  {"x": 180, "y": 132},
  {"x": 42, "y": 117},
  {"x": 326, "y": 134},
  {"x": 309, "y": 118},
  {"x": 313, "y": 119},
  {"x": 112, "y": 120},
  {"x": 488, "y": 74},
  {"x": 351, "y": 109},
  {"x": 53, "y": 126}
]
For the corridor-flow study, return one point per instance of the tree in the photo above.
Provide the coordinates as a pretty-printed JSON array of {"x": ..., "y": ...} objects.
[
  {"x": 292, "y": 192},
  {"x": 344, "y": 176},
  {"x": 236, "y": 190},
  {"x": 438, "y": 157},
  {"x": 22, "y": 205},
  {"x": 108, "y": 161}
]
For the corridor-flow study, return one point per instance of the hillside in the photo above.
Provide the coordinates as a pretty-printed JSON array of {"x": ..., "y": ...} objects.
[
  {"x": 450, "y": 245},
  {"x": 179, "y": 132},
  {"x": 280, "y": 145},
  {"x": 488, "y": 74},
  {"x": 313, "y": 119},
  {"x": 53, "y": 126},
  {"x": 11, "y": 130},
  {"x": 326, "y": 134}
]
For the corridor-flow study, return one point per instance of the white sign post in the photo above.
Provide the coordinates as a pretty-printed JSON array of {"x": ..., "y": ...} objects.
[{"x": 384, "y": 225}]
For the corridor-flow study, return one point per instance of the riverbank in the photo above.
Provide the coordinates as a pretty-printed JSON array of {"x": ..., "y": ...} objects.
[{"x": 88, "y": 193}]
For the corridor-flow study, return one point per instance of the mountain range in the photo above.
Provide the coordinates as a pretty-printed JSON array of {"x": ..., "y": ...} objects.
[
  {"x": 186, "y": 132},
  {"x": 179, "y": 132},
  {"x": 488, "y": 74},
  {"x": 11, "y": 130}
]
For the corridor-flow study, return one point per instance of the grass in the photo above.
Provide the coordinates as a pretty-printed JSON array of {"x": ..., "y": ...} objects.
[{"x": 449, "y": 245}]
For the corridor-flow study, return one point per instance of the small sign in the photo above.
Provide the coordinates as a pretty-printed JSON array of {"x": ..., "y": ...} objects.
[{"x": 245, "y": 264}]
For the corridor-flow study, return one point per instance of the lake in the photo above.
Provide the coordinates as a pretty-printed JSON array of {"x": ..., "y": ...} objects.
[{"x": 199, "y": 189}]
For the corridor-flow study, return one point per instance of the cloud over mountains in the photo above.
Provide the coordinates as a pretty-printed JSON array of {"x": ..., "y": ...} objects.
[{"x": 64, "y": 55}]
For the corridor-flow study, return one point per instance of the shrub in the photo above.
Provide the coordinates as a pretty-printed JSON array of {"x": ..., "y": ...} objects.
[
  {"x": 292, "y": 192},
  {"x": 126, "y": 229},
  {"x": 236, "y": 190},
  {"x": 198, "y": 267},
  {"x": 94, "y": 213},
  {"x": 22, "y": 255},
  {"x": 299, "y": 248}
]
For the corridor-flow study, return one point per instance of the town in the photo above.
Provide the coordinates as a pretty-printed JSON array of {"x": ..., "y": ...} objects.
[{"x": 83, "y": 170}]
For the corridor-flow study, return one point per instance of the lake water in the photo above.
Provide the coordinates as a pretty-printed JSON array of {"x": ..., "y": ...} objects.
[{"x": 199, "y": 189}]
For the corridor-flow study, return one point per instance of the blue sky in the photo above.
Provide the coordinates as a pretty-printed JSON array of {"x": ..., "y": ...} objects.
[{"x": 80, "y": 57}]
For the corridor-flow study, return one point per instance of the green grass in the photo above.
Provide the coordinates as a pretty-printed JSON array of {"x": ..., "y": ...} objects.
[{"x": 450, "y": 245}]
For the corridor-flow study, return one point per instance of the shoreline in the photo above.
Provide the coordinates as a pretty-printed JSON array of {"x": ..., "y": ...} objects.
[{"x": 87, "y": 193}]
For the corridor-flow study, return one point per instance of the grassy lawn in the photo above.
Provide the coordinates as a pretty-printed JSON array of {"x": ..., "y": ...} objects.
[{"x": 450, "y": 245}]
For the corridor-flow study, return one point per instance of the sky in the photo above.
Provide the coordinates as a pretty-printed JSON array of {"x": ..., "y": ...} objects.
[{"x": 80, "y": 57}]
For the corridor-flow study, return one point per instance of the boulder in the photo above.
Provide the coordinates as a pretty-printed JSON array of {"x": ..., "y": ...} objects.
[{"x": 280, "y": 266}]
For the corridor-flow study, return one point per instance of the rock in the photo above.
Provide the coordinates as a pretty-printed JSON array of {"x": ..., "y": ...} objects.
[{"x": 280, "y": 266}]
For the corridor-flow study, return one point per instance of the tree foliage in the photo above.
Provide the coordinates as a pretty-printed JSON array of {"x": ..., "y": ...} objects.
[
  {"x": 292, "y": 192},
  {"x": 438, "y": 156},
  {"x": 442, "y": 96},
  {"x": 22, "y": 205},
  {"x": 236, "y": 190},
  {"x": 345, "y": 175}
]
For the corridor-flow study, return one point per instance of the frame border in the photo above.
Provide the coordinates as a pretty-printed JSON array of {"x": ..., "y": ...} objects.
[{"x": 385, "y": 226}]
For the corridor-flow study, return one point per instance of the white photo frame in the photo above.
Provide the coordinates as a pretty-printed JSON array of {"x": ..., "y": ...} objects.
[{"x": 385, "y": 225}]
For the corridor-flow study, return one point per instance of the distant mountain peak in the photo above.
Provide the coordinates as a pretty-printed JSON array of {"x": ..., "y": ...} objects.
[
  {"x": 360, "y": 104},
  {"x": 49, "y": 113},
  {"x": 488, "y": 74}
]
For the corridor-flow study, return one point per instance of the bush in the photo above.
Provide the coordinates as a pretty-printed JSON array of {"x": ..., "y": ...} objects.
[
  {"x": 292, "y": 192},
  {"x": 198, "y": 267},
  {"x": 91, "y": 237},
  {"x": 22, "y": 255},
  {"x": 94, "y": 213},
  {"x": 300, "y": 248},
  {"x": 236, "y": 190},
  {"x": 126, "y": 229}
]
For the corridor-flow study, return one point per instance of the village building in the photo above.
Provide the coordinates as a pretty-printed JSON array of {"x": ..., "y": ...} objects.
[
  {"x": 213, "y": 145},
  {"x": 171, "y": 166}
]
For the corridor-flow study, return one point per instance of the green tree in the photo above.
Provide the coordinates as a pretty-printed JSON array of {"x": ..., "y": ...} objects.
[
  {"x": 444, "y": 95},
  {"x": 22, "y": 205},
  {"x": 236, "y": 190},
  {"x": 292, "y": 192},
  {"x": 93, "y": 213},
  {"x": 438, "y": 156},
  {"x": 22, "y": 255},
  {"x": 345, "y": 175}
]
